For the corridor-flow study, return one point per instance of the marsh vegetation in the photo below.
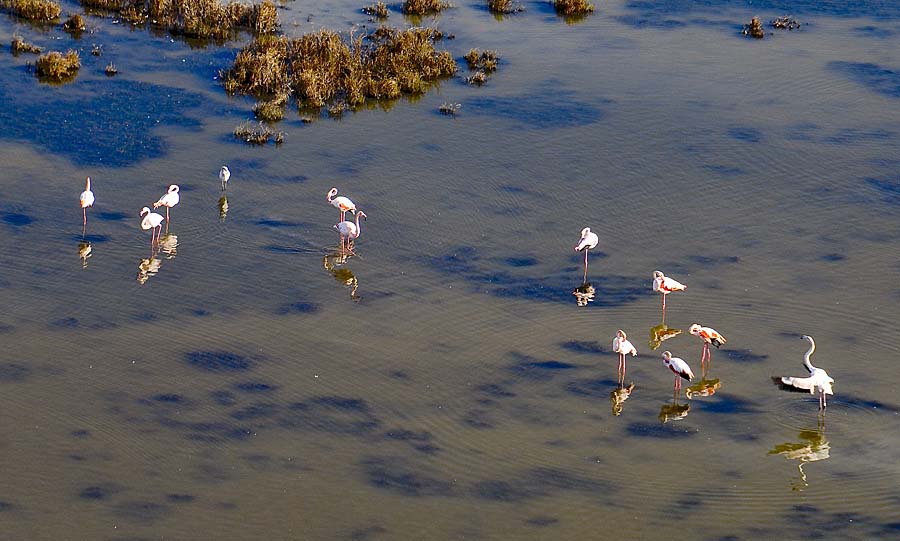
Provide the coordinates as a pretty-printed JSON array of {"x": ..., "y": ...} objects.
[
  {"x": 378, "y": 10},
  {"x": 504, "y": 7},
  {"x": 573, "y": 8},
  {"x": 74, "y": 25},
  {"x": 424, "y": 7},
  {"x": 58, "y": 67},
  {"x": 19, "y": 45},
  {"x": 754, "y": 29},
  {"x": 483, "y": 63},
  {"x": 257, "y": 133},
  {"x": 33, "y": 10}
]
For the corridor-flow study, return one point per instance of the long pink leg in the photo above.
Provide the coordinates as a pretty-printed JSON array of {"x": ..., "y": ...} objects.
[{"x": 84, "y": 214}]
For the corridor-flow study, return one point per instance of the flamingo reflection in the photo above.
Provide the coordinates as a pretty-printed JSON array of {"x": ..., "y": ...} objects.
[
  {"x": 147, "y": 268},
  {"x": 618, "y": 396},
  {"x": 706, "y": 387},
  {"x": 584, "y": 294},
  {"x": 673, "y": 411},
  {"x": 332, "y": 263},
  {"x": 660, "y": 333},
  {"x": 169, "y": 245},
  {"x": 84, "y": 252},
  {"x": 812, "y": 447},
  {"x": 223, "y": 207}
]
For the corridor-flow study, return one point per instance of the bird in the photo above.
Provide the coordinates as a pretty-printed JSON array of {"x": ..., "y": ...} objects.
[
  {"x": 665, "y": 285},
  {"x": 224, "y": 175},
  {"x": 679, "y": 367},
  {"x": 350, "y": 230},
  {"x": 87, "y": 199},
  {"x": 623, "y": 347},
  {"x": 153, "y": 221},
  {"x": 168, "y": 199},
  {"x": 342, "y": 203},
  {"x": 587, "y": 242},
  {"x": 709, "y": 336},
  {"x": 818, "y": 381}
]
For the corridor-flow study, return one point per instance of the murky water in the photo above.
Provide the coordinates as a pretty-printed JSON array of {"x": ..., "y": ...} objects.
[{"x": 246, "y": 382}]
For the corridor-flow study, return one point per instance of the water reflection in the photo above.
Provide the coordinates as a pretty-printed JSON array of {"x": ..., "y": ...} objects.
[
  {"x": 812, "y": 447},
  {"x": 673, "y": 411},
  {"x": 706, "y": 387},
  {"x": 84, "y": 252},
  {"x": 618, "y": 396},
  {"x": 169, "y": 245},
  {"x": 223, "y": 207},
  {"x": 333, "y": 263},
  {"x": 148, "y": 268},
  {"x": 660, "y": 333},
  {"x": 584, "y": 294}
]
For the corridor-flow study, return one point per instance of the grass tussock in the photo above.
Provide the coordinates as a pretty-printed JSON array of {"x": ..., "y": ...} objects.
[
  {"x": 111, "y": 69},
  {"x": 423, "y": 7},
  {"x": 379, "y": 10},
  {"x": 573, "y": 8},
  {"x": 271, "y": 110},
  {"x": 449, "y": 109},
  {"x": 482, "y": 60},
  {"x": 75, "y": 25},
  {"x": 33, "y": 10},
  {"x": 504, "y": 7},
  {"x": 785, "y": 22},
  {"x": 19, "y": 45},
  {"x": 323, "y": 67},
  {"x": 204, "y": 19},
  {"x": 257, "y": 133},
  {"x": 754, "y": 29},
  {"x": 56, "y": 66}
]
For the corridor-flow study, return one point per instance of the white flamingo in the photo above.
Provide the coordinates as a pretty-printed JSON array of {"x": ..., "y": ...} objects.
[
  {"x": 87, "y": 199},
  {"x": 623, "y": 347},
  {"x": 818, "y": 381},
  {"x": 341, "y": 203},
  {"x": 709, "y": 336},
  {"x": 665, "y": 285},
  {"x": 151, "y": 221},
  {"x": 679, "y": 367},
  {"x": 587, "y": 242},
  {"x": 168, "y": 199},
  {"x": 224, "y": 175},
  {"x": 350, "y": 230}
]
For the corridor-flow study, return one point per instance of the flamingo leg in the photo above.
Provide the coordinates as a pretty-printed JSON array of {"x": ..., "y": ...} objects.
[
  {"x": 84, "y": 214},
  {"x": 585, "y": 265},
  {"x": 167, "y": 216}
]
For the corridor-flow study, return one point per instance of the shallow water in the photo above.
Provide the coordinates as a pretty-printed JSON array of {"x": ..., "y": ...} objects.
[{"x": 235, "y": 386}]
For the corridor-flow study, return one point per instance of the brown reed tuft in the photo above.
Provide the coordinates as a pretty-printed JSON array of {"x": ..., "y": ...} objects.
[
  {"x": 74, "y": 25},
  {"x": 19, "y": 45},
  {"x": 378, "y": 10},
  {"x": 423, "y": 7},
  {"x": 257, "y": 133},
  {"x": 56, "y": 66},
  {"x": 33, "y": 10},
  {"x": 504, "y": 7},
  {"x": 573, "y": 8}
]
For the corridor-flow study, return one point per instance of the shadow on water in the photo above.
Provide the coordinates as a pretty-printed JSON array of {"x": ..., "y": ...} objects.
[
  {"x": 92, "y": 107},
  {"x": 872, "y": 76},
  {"x": 655, "y": 9},
  {"x": 548, "y": 107}
]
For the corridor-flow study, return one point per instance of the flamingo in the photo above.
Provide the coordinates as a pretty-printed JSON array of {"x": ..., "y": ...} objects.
[
  {"x": 87, "y": 200},
  {"x": 342, "y": 203},
  {"x": 153, "y": 221},
  {"x": 818, "y": 381},
  {"x": 168, "y": 199},
  {"x": 709, "y": 336},
  {"x": 665, "y": 285},
  {"x": 588, "y": 242},
  {"x": 623, "y": 347},
  {"x": 224, "y": 175},
  {"x": 678, "y": 367},
  {"x": 350, "y": 230}
]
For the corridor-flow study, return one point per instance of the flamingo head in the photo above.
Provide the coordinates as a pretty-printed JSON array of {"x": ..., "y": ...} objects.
[
  {"x": 173, "y": 188},
  {"x": 585, "y": 232},
  {"x": 658, "y": 275},
  {"x": 145, "y": 210},
  {"x": 667, "y": 357},
  {"x": 361, "y": 213},
  {"x": 621, "y": 334},
  {"x": 331, "y": 193},
  {"x": 695, "y": 329}
]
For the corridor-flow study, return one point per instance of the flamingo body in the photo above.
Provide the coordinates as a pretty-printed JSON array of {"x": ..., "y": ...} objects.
[
  {"x": 224, "y": 175},
  {"x": 151, "y": 221},
  {"x": 589, "y": 240},
  {"x": 87, "y": 200},
  {"x": 350, "y": 230},
  {"x": 679, "y": 367},
  {"x": 342, "y": 203},
  {"x": 665, "y": 285},
  {"x": 818, "y": 381},
  {"x": 168, "y": 199},
  {"x": 708, "y": 335},
  {"x": 623, "y": 347}
]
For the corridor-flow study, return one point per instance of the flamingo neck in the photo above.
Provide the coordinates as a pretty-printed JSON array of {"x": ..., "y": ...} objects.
[
  {"x": 87, "y": 184},
  {"x": 808, "y": 354}
]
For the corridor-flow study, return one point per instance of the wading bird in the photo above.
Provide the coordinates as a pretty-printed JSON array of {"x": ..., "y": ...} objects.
[
  {"x": 818, "y": 381},
  {"x": 623, "y": 347},
  {"x": 87, "y": 200},
  {"x": 168, "y": 200},
  {"x": 350, "y": 230},
  {"x": 152, "y": 221},
  {"x": 224, "y": 175},
  {"x": 709, "y": 336},
  {"x": 587, "y": 242},
  {"x": 678, "y": 367},
  {"x": 665, "y": 285},
  {"x": 342, "y": 203}
]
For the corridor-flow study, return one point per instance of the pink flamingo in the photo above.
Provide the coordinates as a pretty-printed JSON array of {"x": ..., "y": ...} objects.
[
  {"x": 342, "y": 203},
  {"x": 350, "y": 230},
  {"x": 87, "y": 200},
  {"x": 623, "y": 347},
  {"x": 168, "y": 200},
  {"x": 587, "y": 242},
  {"x": 709, "y": 336},
  {"x": 665, "y": 285},
  {"x": 678, "y": 367},
  {"x": 152, "y": 221}
]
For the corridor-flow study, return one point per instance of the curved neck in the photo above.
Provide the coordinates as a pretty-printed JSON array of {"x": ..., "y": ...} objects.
[
  {"x": 87, "y": 184},
  {"x": 331, "y": 195},
  {"x": 808, "y": 354},
  {"x": 358, "y": 230}
]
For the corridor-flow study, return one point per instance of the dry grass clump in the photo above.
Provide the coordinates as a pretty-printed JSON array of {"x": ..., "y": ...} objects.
[
  {"x": 19, "y": 45},
  {"x": 33, "y": 10},
  {"x": 111, "y": 69},
  {"x": 378, "y": 10},
  {"x": 271, "y": 110},
  {"x": 423, "y": 7},
  {"x": 322, "y": 67},
  {"x": 484, "y": 60},
  {"x": 572, "y": 8},
  {"x": 754, "y": 29},
  {"x": 785, "y": 22},
  {"x": 74, "y": 25},
  {"x": 504, "y": 7},
  {"x": 205, "y": 19},
  {"x": 257, "y": 133},
  {"x": 56, "y": 66},
  {"x": 449, "y": 109}
]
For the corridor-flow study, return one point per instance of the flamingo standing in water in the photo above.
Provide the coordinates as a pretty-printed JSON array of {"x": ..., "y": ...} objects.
[
  {"x": 588, "y": 242},
  {"x": 665, "y": 285},
  {"x": 152, "y": 221},
  {"x": 168, "y": 200},
  {"x": 342, "y": 203},
  {"x": 350, "y": 230},
  {"x": 709, "y": 336},
  {"x": 224, "y": 175},
  {"x": 678, "y": 367},
  {"x": 818, "y": 381},
  {"x": 623, "y": 347},
  {"x": 87, "y": 200}
]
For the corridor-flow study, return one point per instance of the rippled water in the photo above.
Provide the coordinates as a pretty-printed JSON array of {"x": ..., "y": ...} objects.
[{"x": 246, "y": 382}]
